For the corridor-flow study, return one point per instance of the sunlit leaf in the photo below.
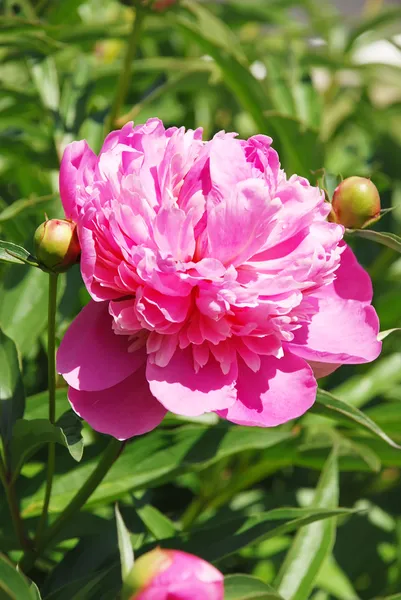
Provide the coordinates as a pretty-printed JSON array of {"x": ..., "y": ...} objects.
[
  {"x": 12, "y": 394},
  {"x": 312, "y": 544}
]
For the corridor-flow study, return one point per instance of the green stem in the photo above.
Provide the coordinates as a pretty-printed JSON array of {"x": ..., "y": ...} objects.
[
  {"x": 13, "y": 507},
  {"x": 126, "y": 71},
  {"x": 110, "y": 455},
  {"x": 51, "y": 377}
]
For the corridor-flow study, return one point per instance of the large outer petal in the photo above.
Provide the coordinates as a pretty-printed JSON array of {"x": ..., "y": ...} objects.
[
  {"x": 185, "y": 392},
  {"x": 124, "y": 410},
  {"x": 282, "y": 389},
  {"x": 76, "y": 171},
  {"x": 345, "y": 326},
  {"x": 91, "y": 356}
]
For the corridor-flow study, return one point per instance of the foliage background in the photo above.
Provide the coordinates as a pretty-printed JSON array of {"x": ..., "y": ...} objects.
[{"x": 300, "y": 72}]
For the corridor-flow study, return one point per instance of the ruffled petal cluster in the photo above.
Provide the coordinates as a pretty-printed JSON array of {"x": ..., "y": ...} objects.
[{"x": 217, "y": 282}]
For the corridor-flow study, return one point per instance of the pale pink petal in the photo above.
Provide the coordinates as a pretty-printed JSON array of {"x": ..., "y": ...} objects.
[
  {"x": 174, "y": 234},
  {"x": 124, "y": 410},
  {"x": 283, "y": 389},
  {"x": 344, "y": 328},
  {"x": 183, "y": 391},
  {"x": 76, "y": 171},
  {"x": 91, "y": 356},
  {"x": 238, "y": 227}
]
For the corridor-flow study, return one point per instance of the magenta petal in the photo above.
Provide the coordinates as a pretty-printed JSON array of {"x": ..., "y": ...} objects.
[
  {"x": 344, "y": 328},
  {"x": 76, "y": 169},
  {"x": 185, "y": 392},
  {"x": 124, "y": 410},
  {"x": 283, "y": 389},
  {"x": 91, "y": 356}
]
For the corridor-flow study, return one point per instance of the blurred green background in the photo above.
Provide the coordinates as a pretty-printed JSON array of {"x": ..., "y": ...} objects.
[{"x": 325, "y": 83}]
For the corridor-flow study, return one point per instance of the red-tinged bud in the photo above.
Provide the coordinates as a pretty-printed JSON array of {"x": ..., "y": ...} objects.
[
  {"x": 356, "y": 203},
  {"x": 56, "y": 244},
  {"x": 161, "y": 5},
  {"x": 164, "y": 574}
]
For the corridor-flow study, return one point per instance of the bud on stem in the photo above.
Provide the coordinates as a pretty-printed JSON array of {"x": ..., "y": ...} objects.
[
  {"x": 57, "y": 245},
  {"x": 356, "y": 203}
]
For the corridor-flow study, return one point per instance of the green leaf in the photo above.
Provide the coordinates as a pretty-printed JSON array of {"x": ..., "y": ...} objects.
[
  {"x": 13, "y": 585},
  {"x": 23, "y": 305},
  {"x": 245, "y": 587},
  {"x": 334, "y": 580},
  {"x": 124, "y": 546},
  {"x": 12, "y": 394},
  {"x": 213, "y": 542},
  {"x": 12, "y": 253},
  {"x": 313, "y": 544},
  {"x": 380, "y": 237},
  {"x": 36, "y": 406},
  {"x": 35, "y": 591},
  {"x": 328, "y": 405},
  {"x": 160, "y": 456},
  {"x": 158, "y": 524},
  {"x": 225, "y": 50},
  {"x": 29, "y": 436},
  {"x": 44, "y": 74},
  {"x": 383, "y": 18},
  {"x": 382, "y": 376},
  {"x": 19, "y": 206},
  {"x": 71, "y": 427}
]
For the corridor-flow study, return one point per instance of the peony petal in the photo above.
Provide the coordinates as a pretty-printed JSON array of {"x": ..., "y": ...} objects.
[
  {"x": 282, "y": 389},
  {"x": 124, "y": 410},
  {"x": 183, "y": 391},
  {"x": 91, "y": 356},
  {"x": 321, "y": 369},
  {"x": 344, "y": 328},
  {"x": 76, "y": 170},
  {"x": 238, "y": 227}
]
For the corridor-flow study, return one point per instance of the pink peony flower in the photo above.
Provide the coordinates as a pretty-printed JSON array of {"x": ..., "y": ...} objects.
[
  {"x": 217, "y": 283},
  {"x": 175, "y": 575}
]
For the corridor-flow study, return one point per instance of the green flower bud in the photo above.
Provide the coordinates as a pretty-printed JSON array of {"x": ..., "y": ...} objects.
[
  {"x": 56, "y": 244},
  {"x": 146, "y": 567},
  {"x": 356, "y": 203}
]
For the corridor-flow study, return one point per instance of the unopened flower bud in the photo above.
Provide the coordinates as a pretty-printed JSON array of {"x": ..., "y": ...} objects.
[
  {"x": 161, "y": 5},
  {"x": 356, "y": 203},
  {"x": 163, "y": 574},
  {"x": 56, "y": 244}
]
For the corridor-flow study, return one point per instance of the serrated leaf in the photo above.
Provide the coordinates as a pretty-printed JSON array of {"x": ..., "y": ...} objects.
[
  {"x": 328, "y": 405},
  {"x": 29, "y": 436},
  {"x": 380, "y": 237},
  {"x": 12, "y": 393},
  {"x": 245, "y": 587},
  {"x": 12, "y": 253},
  {"x": 312, "y": 544},
  {"x": 124, "y": 546}
]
